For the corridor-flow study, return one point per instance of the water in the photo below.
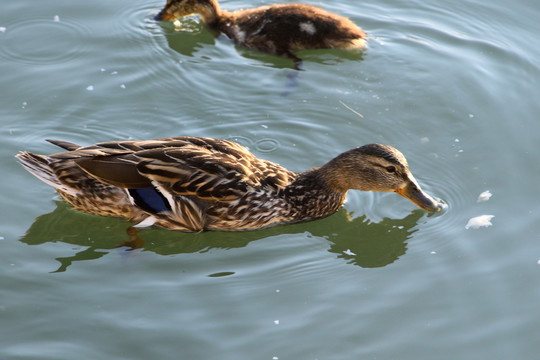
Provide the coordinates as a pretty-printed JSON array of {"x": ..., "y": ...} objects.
[{"x": 451, "y": 84}]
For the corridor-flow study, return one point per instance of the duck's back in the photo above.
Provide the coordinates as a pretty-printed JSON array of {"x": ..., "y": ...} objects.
[
  {"x": 183, "y": 183},
  {"x": 284, "y": 28}
]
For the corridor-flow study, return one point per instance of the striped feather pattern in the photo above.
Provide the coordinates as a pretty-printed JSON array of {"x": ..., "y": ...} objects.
[{"x": 199, "y": 176}]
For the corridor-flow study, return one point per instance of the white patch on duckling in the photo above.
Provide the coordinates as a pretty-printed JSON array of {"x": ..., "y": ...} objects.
[
  {"x": 239, "y": 35},
  {"x": 308, "y": 27}
]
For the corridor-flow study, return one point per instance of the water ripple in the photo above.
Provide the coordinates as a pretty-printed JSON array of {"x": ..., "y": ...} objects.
[
  {"x": 42, "y": 40},
  {"x": 264, "y": 145},
  {"x": 138, "y": 20}
]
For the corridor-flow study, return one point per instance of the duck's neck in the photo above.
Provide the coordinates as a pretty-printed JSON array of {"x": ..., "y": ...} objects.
[
  {"x": 311, "y": 194},
  {"x": 346, "y": 171},
  {"x": 210, "y": 13}
]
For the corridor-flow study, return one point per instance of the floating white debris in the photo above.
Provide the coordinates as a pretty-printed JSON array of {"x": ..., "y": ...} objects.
[
  {"x": 484, "y": 196},
  {"x": 103, "y": 69},
  {"x": 90, "y": 88},
  {"x": 349, "y": 252},
  {"x": 3, "y": 29},
  {"x": 123, "y": 86},
  {"x": 114, "y": 73},
  {"x": 538, "y": 262},
  {"x": 275, "y": 358},
  {"x": 471, "y": 116},
  {"x": 424, "y": 140},
  {"x": 1, "y": 238},
  {"x": 456, "y": 140},
  {"x": 479, "y": 221},
  {"x": 276, "y": 322},
  {"x": 433, "y": 253},
  {"x": 264, "y": 126},
  {"x": 56, "y": 18},
  {"x": 277, "y": 290}
]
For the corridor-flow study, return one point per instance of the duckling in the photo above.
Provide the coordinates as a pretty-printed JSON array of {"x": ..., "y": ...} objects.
[
  {"x": 276, "y": 29},
  {"x": 195, "y": 184}
]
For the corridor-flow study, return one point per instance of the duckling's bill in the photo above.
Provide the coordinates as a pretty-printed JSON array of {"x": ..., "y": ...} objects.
[{"x": 414, "y": 192}]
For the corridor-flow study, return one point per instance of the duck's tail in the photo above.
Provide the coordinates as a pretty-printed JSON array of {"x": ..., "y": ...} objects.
[{"x": 40, "y": 167}]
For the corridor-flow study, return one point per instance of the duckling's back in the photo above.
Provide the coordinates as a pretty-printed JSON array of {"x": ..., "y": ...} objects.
[{"x": 284, "y": 28}]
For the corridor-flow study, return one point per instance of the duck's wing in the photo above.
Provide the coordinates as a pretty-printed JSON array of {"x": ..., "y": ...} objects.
[
  {"x": 115, "y": 163},
  {"x": 212, "y": 176},
  {"x": 173, "y": 180},
  {"x": 82, "y": 168},
  {"x": 202, "y": 168}
]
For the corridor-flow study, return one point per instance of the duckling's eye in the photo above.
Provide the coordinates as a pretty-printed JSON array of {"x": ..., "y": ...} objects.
[{"x": 391, "y": 168}]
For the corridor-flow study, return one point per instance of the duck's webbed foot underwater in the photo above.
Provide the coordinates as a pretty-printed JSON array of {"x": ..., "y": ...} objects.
[
  {"x": 133, "y": 241},
  {"x": 297, "y": 61},
  {"x": 292, "y": 77}
]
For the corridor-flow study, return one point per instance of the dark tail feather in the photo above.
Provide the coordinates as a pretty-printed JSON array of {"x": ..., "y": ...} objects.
[{"x": 64, "y": 144}]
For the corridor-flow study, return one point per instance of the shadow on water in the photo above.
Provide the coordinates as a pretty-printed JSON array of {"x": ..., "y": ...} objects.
[{"x": 356, "y": 241}]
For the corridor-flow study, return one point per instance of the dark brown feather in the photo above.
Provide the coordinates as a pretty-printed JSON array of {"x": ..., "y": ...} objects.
[{"x": 112, "y": 170}]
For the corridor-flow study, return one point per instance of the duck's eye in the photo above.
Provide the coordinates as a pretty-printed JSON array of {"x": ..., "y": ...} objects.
[{"x": 391, "y": 168}]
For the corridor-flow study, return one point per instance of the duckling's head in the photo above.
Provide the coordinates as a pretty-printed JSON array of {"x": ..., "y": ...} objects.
[
  {"x": 178, "y": 8},
  {"x": 377, "y": 167}
]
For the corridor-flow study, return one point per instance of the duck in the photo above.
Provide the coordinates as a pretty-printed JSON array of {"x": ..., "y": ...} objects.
[
  {"x": 278, "y": 29},
  {"x": 193, "y": 184}
]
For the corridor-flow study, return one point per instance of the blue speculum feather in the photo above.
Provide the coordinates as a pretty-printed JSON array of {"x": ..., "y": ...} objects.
[{"x": 150, "y": 199}]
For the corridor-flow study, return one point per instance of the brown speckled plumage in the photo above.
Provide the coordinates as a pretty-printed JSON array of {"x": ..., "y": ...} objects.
[
  {"x": 196, "y": 184},
  {"x": 279, "y": 29}
]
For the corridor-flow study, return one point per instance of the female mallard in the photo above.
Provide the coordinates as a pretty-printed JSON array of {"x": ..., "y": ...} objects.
[
  {"x": 277, "y": 29},
  {"x": 196, "y": 184}
]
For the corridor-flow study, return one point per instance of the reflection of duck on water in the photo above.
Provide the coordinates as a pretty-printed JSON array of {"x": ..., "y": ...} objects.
[
  {"x": 277, "y": 29},
  {"x": 357, "y": 241},
  {"x": 196, "y": 184}
]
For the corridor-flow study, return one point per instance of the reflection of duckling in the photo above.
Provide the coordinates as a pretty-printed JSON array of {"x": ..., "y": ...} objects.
[
  {"x": 278, "y": 29},
  {"x": 195, "y": 184}
]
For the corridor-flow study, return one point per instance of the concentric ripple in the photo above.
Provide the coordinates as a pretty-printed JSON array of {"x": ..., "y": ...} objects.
[
  {"x": 42, "y": 40},
  {"x": 264, "y": 145},
  {"x": 136, "y": 23}
]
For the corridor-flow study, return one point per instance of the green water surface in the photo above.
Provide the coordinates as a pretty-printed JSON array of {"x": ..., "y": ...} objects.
[{"x": 453, "y": 84}]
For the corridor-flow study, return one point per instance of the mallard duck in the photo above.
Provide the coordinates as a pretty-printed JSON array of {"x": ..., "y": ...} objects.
[
  {"x": 278, "y": 29},
  {"x": 196, "y": 184}
]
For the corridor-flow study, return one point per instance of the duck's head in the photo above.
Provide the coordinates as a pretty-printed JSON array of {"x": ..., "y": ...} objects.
[
  {"x": 377, "y": 167},
  {"x": 179, "y": 8}
]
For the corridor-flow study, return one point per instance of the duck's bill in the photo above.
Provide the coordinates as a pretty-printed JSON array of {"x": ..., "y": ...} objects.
[{"x": 414, "y": 193}]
